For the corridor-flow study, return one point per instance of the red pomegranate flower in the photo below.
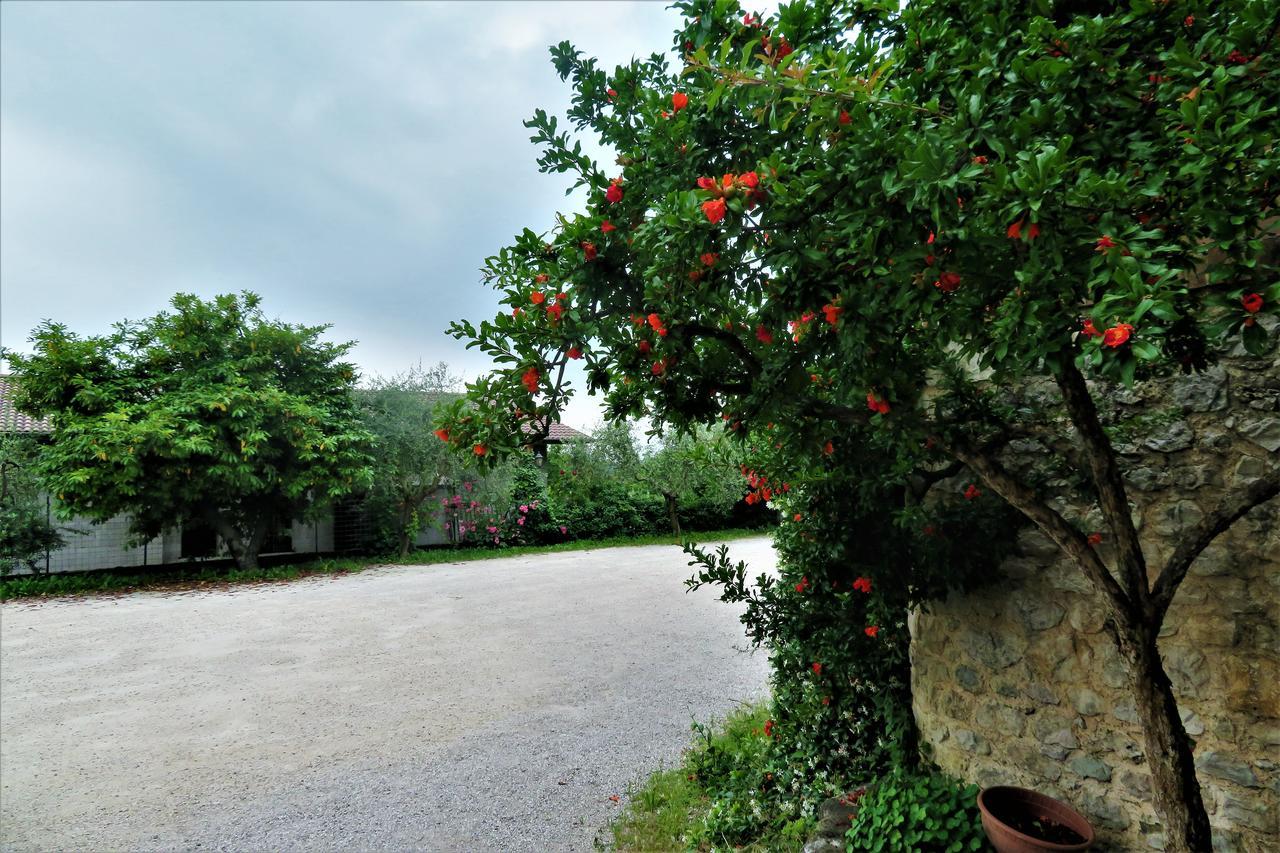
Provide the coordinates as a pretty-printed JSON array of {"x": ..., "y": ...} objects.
[
  {"x": 877, "y": 404},
  {"x": 750, "y": 180},
  {"x": 844, "y": 117},
  {"x": 1105, "y": 242},
  {"x": 442, "y": 434},
  {"x": 709, "y": 259},
  {"x": 1090, "y": 330},
  {"x": 679, "y": 100},
  {"x": 972, "y": 493},
  {"x": 803, "y": 585},
  {"x": 871, "y": 630},
  {"x": 832, "y": 313},
  {"x": 659, "y": 367},
  {"x": 574, "y": 352},
  {"x": 764, "y": 335},
  {"x": 768, "y": 728},
  {"x": 1095, "y": 539},
  {"x": 644, "y": 347},
  {"x": 948, "y": 282},
  {"x": 479, "y": 450},
  {"x": 828, "y": 448},
  {"x": 608, "y": 226},
  {"x": 537, "y": 297},
  {"x": 714, "y": 210},
  {"x": 1252, "y": 302},
  {"x": 589, "y": 250},
  {"x": 613, "y": 195},
  {"x": 530, "y": 379},
  {"x": 1117, "y": 335},
  {"x": 817, "y": 669},
  {"x": 863, "y": 585},
  {"x": 708, "y": 184}
]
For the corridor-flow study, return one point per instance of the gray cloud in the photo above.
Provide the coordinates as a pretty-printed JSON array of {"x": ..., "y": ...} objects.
[{"x": 354, "y": 163}]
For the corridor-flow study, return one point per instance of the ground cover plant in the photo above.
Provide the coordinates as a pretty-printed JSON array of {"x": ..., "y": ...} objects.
[{"x": 840, "y": 231}]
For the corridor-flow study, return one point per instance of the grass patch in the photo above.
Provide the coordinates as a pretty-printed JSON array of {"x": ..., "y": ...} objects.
[
  {"x": 194, "y": 576},
  {"x": 669, "y": 810}
]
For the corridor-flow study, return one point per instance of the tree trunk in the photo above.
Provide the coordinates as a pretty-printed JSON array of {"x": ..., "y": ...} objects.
[
  {"x": 402, "y": 528},
  {"x": 673, "y": 513},
  {"x": 1174, "y": 787},
  {"x": 243, "y": 551}
]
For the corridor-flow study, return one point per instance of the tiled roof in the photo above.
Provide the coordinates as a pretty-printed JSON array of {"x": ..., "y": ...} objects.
[
  {"x": 12, "y": 420},
  {"x": 557, "y": 433}
]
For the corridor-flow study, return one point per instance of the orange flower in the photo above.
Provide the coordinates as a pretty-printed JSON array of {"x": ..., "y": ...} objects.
[
  {"x": 877, "y": 404},
  {"x": 871, "y": 630},
  {"x": 479, "y": 450},
  {"x": 832, "y": 313},
  {"x": 530, "y": 379},
  {"x": 1117, "y": 335},
  {"x": 679, "y": 101},
  {"x": 714, "y": 210},
  {"x": 537, "y": 297},
  {"x": 442, "y": 434}
]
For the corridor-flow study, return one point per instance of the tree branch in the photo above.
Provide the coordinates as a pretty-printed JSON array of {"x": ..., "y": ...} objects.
[
  {"x": 729, "y": 339},
  {"x": 1108, "y": 481},
  {"x": 1232, "y": 508},
  {"x": 1024, "y": 499}
]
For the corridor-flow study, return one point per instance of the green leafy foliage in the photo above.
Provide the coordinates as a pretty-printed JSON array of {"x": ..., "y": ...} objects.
[
  {"x": 918, "y": 813},
  {"x": 210, "y": 413},
  {"x": 26, "y": 533},
  {"x": 410, "y": 463}
]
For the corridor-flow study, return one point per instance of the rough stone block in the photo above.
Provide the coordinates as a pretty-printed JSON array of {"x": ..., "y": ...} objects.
[
  {"x": 1086, "y": 701},
  {"x": 1171, "y": 438},
  {"x": 1201, "y": 392},
  {"x": 1222, "y": 766}
]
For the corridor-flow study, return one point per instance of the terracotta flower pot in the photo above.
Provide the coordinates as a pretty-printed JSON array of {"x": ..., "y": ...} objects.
[{"x": 1014, "y": 817}]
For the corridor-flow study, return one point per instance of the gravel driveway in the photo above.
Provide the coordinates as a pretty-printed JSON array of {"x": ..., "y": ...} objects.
[{"x": 490, "y": 705}]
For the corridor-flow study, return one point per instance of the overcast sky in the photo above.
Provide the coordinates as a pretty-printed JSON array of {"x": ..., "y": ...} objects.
[{"x": 352, "y": 163}]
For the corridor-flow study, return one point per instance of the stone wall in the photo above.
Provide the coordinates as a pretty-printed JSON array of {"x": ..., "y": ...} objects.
[{"x": 1019, "y": 683}]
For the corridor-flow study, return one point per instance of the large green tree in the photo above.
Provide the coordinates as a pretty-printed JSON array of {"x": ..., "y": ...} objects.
[
  {"x": 410, "y": 462},
  {"x": 853, "y": 221},
  {"x": 210, "y": 413}
]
